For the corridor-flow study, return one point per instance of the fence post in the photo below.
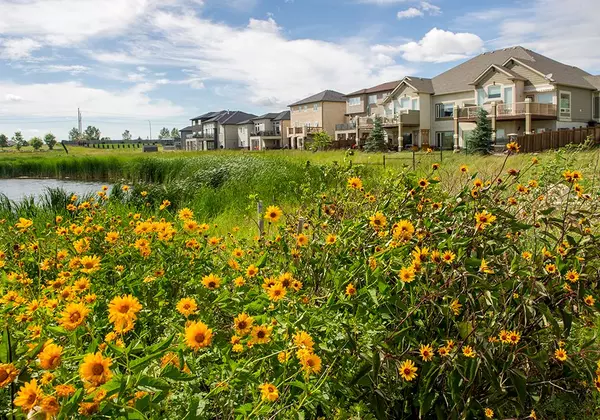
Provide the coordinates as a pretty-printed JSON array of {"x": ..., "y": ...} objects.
[
  {"x": 261, "y": 220},
  {"x": 383, "y": 161},
  {"x": 414, "y": 164},
  {"x": 300, "y": 226},
  {"x": 441, "y": 154}
]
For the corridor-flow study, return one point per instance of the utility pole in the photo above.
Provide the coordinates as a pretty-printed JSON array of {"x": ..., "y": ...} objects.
[
  {"x": 150, "y": 124},
  {"x": 79, "y": 122}
]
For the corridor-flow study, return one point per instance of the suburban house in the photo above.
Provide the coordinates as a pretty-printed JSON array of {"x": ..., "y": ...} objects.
[
  {"x": 270, "y": 131},
  {"x": 319, "y": 112},
  {"x": 216, "y": 130},
  {"x": 523, "y": 92}
]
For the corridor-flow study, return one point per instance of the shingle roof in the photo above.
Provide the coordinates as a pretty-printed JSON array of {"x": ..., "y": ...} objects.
[
  {"x": 421, "y": 84},
  {"x": 188, "y": 128},
  {"x": 234, "y": 117},
  {"x": 268, "y": 116},
  {"x": 248, "y": 121},
  {"x": 379, "y": 88},
  {"x": 325, "y": 96},
  {"x": 457, "y": 79},
  {"x": 284, "y": 115},
  {"x": 594, "y": 81},
  {"x": 208, "y": 115}
]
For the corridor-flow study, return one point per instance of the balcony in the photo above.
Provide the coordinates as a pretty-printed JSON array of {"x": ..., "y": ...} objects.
[
  {"x": 510, "y": 111},
  {"x": 303, "y": 131},
  {"x": 265, "y": 134},
  {"x": 345, "y": 127}
]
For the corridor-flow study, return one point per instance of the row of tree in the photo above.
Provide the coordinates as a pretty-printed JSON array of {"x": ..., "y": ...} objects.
[
  {"x": 92, "y": 133},
  {"x": 36, "y": 142}
]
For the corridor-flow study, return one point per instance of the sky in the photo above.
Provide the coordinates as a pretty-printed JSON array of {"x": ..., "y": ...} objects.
[{"x": 141, "y": 64}]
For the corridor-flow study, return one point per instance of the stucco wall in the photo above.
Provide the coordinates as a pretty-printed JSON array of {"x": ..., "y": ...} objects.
[
  {"x": 244, "y": 134},
  {"x": 357, "y": 109},
  {"x": 228, "y": 136},
  {"x": 333, "y": 113},
  {"x": 309, "y": 115},
  {"x": 425, "y": 110}
]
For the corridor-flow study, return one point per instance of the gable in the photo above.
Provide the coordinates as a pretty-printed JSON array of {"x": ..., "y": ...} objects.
[
  {"x": 533, "y": 78},
  {"x": 492, "y": 77}
]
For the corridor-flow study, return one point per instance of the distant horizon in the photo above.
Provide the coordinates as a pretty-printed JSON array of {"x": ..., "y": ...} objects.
[{"x": 127, "y": 62}]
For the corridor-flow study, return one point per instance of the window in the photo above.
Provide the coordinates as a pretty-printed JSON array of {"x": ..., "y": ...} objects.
[
  {"x": 315, "y": 107},
  {"x": 354, "y": 101},
  {"x": 508, "y": 95},
  {"x": 444, "y": 110},
  {"x": 494, "y": 92},
  {"x": 597, "y": 107},
  {"x": 372, "y": 99},
  {"x": 545, "y": 98},
  {"x": 415, "y": 104},
  {"x": 444, "y": 139},
  {"x": 500, "y": 134},
  {"x": 565, "y": 103},
  {"x": 480, "y": 96},
  {"x": 405, "y": 103}
]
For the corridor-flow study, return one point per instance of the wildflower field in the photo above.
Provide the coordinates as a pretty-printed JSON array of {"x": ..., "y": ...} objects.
[{"x": 448, "y": 293}]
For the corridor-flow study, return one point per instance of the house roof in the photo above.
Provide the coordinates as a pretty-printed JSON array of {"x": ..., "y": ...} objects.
[
  {"x": 234, "y": 117},
  {"x": 208, "y": 115},
  {"x": 188, "y": 128},
  {"x": 268, "y": 116},
  {"x": 325, "y": 96},
  {"x": 379, "y": 88},
  {"x": 594, "y": 81},
  {"x": 284, "y": 115},
  {"x": 248, "y": 121},
  {"x": 420, "y": 84},
  {"x": 458, "y": 78}
]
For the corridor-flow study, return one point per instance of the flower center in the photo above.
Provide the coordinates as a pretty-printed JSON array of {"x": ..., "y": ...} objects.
[
  {"x": 242, "y": 325},
  {"x": 124, "y": 308},
  {"x": 199, "y": 337},
  {"x": 98, "y": 369},
  {"x": 407, "y": 371},
  {"x": 3, "y": 375},
  {"x": 260, "y": 334},
  {"x": 75, "y": 316}
]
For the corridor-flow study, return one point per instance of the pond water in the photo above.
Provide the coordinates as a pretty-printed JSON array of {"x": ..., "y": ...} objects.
[{"x": 17, "y": 189}]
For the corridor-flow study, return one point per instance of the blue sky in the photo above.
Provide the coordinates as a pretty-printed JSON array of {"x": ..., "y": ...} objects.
[{"x": 127, "y": 62}]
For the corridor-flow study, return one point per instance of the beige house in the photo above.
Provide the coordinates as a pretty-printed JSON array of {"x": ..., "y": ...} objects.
[
  {"x": 320, "y": 112},
  {"x": 270, "y": 131},
  {"x": 523, "y": 92},
  {"x": 215, "y": 130}
]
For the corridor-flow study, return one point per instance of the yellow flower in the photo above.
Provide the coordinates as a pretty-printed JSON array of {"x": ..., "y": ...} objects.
[
  {"x": 211, "y": 281},
  {"x": 122, "y": 312},
  {"x": 73, "y": 316},
  {"x": 50, "y": 406},
  {"x": 50, "y": 356},
  {"x": 513, "y": 146},
  {"x": 261, "y": 334},
  {"x": 514, "y": 337},
  {"x": 276, "y": 292},
  {"x": 443, "y": 351},
  {"x": 29, "y": 395},
  {"x": 560, "y": 354},
  {"x": 426, "y": 352},
  {"x": 252, "y": 271},
  {"x": 243, "y": 324},
  {"x": 572, "y": 276},
  {"x": 403, "y": 230},
  {"x": 350, "y": 289},
  {"x": 489, "y": 413},
  {"x": 484, "y": 219},
  {"x": 378, "y": 220},
  {"x": 485, "y": 268},
  {"x": 90, "y": 264},
  {"x": 185, "y": 214},
  {"x": 423, "y": 183},
  {"x": 464, "y": 169},
  {"x": 448, "y": 257},
  {"x": 504, "y": 336},
  {"x": 198, "y": 335},
  {"x": 95, "y": 369},
  {"x": 455, "y": 306},
  {"x": 269, "y": 392},
  {"x": 64, "y": 390},
  {"x": 589, "y": 300},
  {"x": 187, "y": 306},
  {"x": 330, "y": 239},
  {"x": 355, "y": 183},
  {"x": 8, "y": 373},
  {"x": 273, "y": 214},
  {"x": 311, "y": 363},
  {"x": 550, "y": 268},
  {"x": 301, "y": 239},
  {"x": 469, "y": 352},
  {"x": 23, "y": 224},
  {"x": 303, "y": 340},
  {"x": 407, "y": 274},
  {"x": 408, "y": 370}
]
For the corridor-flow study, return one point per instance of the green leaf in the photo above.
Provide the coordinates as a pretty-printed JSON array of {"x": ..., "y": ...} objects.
[
  {"x": 549, "y": 318},
  {"x": 263, "y": 261},
  {"x": 464, "y": 329},
  {"x": 151, "y": 382},
  {"x": 172, "y": 372},
  {"x": 163, "y": 345},
  {"x": 520, "y": 383},
  {"x": 361, "y": 372},
  {"x": 376, "y": 364},
  {"x": 139, "y": 364},
  {"x": 567, "y": 322}
]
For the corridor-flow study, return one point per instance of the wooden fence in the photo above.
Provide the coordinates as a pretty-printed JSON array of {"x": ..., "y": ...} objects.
[{"x": 555, "y": 139}]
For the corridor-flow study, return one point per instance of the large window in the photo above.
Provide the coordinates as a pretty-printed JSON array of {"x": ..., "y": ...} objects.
[
  {"x": 315, "y": 107},
  {"x": 405, "y": 103},
  {"x": 565, "y": 104},
  {"x": 372, "y": 99},
  {"x": 494, "y": 92},
  {"x": 480, "y": 96},
  {"x": 508, "y": 95},
  {"x": 444, "y": 139},
  {"x": 444, "y": 110},
  {"x": 415, "y": 104},
  {"x": 545, "y": 98},
  {"x": 354, "y": 101}
]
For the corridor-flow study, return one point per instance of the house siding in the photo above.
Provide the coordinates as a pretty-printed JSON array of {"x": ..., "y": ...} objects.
[
  {"x": 533, "y": 78},
  {"x": 309, "y": 115},
  {"x": 333, "y": 113},
  {"x": 581, "y": 103},
  {"x": 357, "y": 109},
  {"x": 496, "y": 77}
]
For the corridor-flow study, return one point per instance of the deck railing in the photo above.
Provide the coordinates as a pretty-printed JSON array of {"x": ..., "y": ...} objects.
[{"x": 517, "y": 109}]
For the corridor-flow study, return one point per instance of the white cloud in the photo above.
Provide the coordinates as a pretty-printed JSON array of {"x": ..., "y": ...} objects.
[
  {"x": 437, "y": 46},
  {"x": 223, "y": 53},
  {"x": 563, "y": 30},
  {"x": 409, "y": 13},
  {"x": 18, "y": 48},
  {"x": 12, "y": 98},
  {"x": 60, "y": 68},
  {"x": 430, "y": 9},
  {"x": 383, "y": 2},
  {"x": 60, "y": 99}
]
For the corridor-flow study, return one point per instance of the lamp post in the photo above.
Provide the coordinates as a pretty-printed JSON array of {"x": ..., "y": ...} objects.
[{"x": 150, "y": 124}]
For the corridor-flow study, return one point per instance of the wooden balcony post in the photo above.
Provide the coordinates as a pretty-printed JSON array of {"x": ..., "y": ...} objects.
[
  {"x": 400, "y": 145},
  {"x": 493, "y": 115},
  {"x": 455, "y": 135},
  {"x": 527, "y": 115}
]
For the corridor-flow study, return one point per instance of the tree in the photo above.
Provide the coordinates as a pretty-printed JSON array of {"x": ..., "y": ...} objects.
[
  {"x": 175, "y": 134},
  {"x": 19, "y": 140},
  {"x": 50, "y": 140},
  {"x": 105, "y": 139},
  {"x": 376, "y": 141},
  {"x": 126, "y": 135},
  {"x": 3, "y": 140},
  {"x": 164, "y": 133},
  {"x": 36, "y": 143},
  {"x": 320, "y": 141},
  {"x": 91, "y": 134},
  {"x": 75, "y": 134},
  {"x": 480, "y": 140}
]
